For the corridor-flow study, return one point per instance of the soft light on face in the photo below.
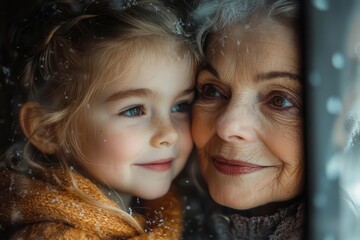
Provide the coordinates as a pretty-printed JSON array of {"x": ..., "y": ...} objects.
[
  {"x": 143, "y": 125},
  {"x": 247, "y": 123}
]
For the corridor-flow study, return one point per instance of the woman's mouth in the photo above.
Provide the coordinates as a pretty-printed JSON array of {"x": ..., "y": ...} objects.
[
  {"x": 234, "y": 167},
  {"x": 158, "y": 165}
]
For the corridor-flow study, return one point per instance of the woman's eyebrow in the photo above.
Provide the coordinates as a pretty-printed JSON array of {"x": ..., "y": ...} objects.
[
  {"x": 141, "y": 92},
  {"x": 207, "y": 66},
  {"x": 278, "y": 74}
]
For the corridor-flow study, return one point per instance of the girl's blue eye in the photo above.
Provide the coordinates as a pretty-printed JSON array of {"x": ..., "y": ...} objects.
[
  {"x": 181, "y": 107},
  {"x": 133, "y": 112},
  {"x": 281, "y": 102}
]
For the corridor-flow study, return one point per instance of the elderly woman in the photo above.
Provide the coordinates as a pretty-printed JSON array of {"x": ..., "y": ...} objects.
[{"x": 247, "y": 120}]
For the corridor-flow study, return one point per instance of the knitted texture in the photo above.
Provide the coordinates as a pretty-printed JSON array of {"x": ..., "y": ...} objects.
[
  {"x": 47, "y": 207},
  {"x": 285, "y": 223}
]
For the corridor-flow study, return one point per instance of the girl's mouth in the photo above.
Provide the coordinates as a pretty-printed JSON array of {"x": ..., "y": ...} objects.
[{"x": 158, "y": 165}]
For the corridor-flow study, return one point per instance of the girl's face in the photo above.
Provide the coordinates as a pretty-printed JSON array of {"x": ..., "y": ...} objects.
[
  {"x": 247, "y": 121},
  {"x": 142, "y": 125}
]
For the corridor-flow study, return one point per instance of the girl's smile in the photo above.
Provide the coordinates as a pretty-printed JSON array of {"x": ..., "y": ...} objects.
[{"x": 158, "y": 165}]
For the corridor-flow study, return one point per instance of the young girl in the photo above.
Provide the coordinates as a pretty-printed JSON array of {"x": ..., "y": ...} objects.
[{"x": 107, "y": 87}]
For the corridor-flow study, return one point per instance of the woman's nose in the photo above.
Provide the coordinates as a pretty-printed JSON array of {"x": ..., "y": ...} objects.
[
  {"x": 165, "y": 133},
  {"x": 237, "y": 123}
]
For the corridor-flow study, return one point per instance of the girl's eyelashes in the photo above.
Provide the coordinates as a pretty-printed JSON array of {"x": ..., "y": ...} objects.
[
  {"x": 132, "y": 112},
  {"x": 183, "y": 107},
  {"x": 139, "y": 110}
]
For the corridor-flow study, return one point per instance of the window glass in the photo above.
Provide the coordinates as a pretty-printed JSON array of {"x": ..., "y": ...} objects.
[{"x": 333, "y": 118}]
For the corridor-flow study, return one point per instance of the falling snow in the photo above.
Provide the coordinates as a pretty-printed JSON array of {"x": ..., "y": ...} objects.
[{"x": 179, "y": 27}]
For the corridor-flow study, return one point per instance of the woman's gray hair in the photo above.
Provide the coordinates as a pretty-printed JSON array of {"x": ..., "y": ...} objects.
[{"x": 212, "y": 16}]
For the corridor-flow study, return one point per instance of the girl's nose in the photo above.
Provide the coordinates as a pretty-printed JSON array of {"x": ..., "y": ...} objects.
[
  {"x": 237, "y": 123},
  {"x": 165, "y": 134}
]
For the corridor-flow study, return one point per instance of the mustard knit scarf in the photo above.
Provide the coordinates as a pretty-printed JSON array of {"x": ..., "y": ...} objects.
[{"x": 35, "y": 208}]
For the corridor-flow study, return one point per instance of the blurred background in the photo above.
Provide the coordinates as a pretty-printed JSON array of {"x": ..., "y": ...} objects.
[{"x": 332, "y": 95}]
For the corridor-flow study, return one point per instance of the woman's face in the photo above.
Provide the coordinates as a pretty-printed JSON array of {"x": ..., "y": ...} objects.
[{"x": 247, "y": 119}]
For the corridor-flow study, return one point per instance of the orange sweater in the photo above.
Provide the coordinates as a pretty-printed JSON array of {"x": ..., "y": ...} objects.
[{"x": 47, "y": 207}]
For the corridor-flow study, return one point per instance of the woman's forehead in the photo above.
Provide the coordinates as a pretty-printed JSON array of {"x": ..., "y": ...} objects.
[
  {"x": 255, "y": 30},
  {"x": 253, "y": 52},
  {"x": 239, "y": 42}
]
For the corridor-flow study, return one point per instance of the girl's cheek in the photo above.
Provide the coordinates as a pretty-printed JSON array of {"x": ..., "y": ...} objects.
[{"x": 124, "y": 144}]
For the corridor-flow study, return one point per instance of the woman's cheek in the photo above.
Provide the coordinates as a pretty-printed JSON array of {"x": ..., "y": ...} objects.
[
  {"x": 198, "y": 129},
  {"x": 204, "y": 127},
  {"x": 187, "y": 139}
]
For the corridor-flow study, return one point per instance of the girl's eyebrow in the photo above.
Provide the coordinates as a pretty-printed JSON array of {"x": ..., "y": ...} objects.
[{"x": 140, "y": 92}]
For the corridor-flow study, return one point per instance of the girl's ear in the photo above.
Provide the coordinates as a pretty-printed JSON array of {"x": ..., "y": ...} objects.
[{"x": 30, "y": 117}]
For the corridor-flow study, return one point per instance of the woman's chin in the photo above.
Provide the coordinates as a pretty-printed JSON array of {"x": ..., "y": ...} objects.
[
  {"x": 237, "y": 204},
  {"x": 228, "y": 197},
  {"x": 251, "y": 204}
]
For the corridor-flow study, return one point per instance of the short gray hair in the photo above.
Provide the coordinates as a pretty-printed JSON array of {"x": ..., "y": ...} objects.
[{"x": 212, "y": 16}]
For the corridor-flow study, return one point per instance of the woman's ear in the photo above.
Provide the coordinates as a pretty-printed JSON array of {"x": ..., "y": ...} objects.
[{"x": 31, "y": 116}]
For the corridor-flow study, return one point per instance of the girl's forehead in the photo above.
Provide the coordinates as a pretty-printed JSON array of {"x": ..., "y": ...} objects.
[
  {"x": 118, "y": 62},
  {"x": 142, "y": 47},
  {"x": 119, "y": 54}
]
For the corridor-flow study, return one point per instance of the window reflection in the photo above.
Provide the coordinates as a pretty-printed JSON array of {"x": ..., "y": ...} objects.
[
  {"x": 347, "y": 132},
  {"x": 333, "y": 118}
]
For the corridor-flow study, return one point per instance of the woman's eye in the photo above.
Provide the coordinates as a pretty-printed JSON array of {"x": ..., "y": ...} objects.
[
  {"x": 209, "y": 91},
  {"x": 181, "y": 107},
  {"x": 133, "y": 112},
  {"x": 281, "y": 102}
]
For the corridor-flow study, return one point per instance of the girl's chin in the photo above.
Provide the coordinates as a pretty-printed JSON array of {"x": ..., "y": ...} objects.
[{"x": 156, "y": 193}]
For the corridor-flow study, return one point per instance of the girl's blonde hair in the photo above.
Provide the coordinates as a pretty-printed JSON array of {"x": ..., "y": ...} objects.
[{"x": 58, "y": 54}]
